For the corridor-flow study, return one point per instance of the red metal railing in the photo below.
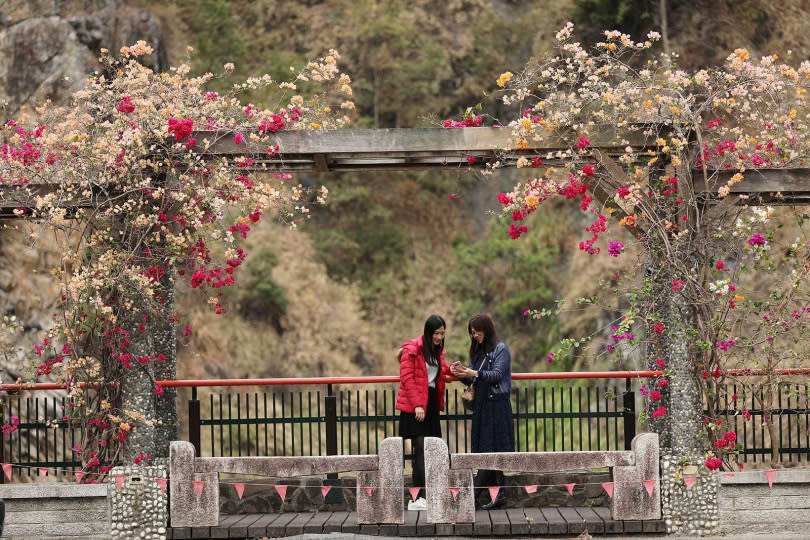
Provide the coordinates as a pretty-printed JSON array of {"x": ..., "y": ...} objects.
[{"x": 191, "y": 383}]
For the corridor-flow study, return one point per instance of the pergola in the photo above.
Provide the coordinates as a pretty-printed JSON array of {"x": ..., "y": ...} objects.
[{"x": 436, "y": 148}]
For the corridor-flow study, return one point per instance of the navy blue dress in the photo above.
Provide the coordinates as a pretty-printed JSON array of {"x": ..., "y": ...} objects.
[{"x": 492, "y": 424}]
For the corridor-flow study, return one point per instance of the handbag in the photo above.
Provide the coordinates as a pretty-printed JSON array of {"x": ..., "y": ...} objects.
[{"x": 468, "y": 395}]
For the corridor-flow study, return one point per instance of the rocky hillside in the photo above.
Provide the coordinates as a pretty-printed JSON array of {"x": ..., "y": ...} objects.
[{"x": 338, "y": 296}]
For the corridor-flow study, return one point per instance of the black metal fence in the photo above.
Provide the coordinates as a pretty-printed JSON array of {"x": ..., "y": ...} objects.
[
  {"x": 548, "y": 417},
  {"x": 309, "y": 420}
]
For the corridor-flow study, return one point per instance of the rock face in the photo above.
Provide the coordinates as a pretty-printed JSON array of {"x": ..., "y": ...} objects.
[{"x": 48, "y": 47}]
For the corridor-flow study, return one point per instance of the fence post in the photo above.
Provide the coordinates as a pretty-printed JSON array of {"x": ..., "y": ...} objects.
[
  {"x": 330, "y": 408},
  {"x": 194, "y": 422},
  {"x": 629, "y": 415}
]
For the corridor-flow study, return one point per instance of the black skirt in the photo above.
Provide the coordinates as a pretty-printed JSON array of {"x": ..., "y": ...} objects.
[{"x": 430, "y": 427}]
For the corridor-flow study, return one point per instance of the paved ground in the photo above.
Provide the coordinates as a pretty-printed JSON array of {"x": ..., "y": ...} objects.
[{"x": 770, "y": 536}]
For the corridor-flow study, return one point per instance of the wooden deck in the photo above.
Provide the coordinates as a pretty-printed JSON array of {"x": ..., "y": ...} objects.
[{"x": 508, "y": 522}]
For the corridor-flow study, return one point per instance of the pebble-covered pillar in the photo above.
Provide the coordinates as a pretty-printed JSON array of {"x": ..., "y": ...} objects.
[{"x": 138, "y": 503}]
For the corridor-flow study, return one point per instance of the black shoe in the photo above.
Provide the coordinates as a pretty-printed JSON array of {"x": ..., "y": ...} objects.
[{"x": 499, "y": 502}]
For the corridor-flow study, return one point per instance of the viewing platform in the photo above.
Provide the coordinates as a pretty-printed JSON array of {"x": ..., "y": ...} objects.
[{"x": 502, "y": 522}]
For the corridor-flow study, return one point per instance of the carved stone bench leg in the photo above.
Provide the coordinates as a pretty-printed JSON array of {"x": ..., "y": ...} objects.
[
  {"x": 187, "y": 509},
  {"x": 630, "y": 497},
  {"x": 386, "y": 504},
  {"x": 441, "y": 507}
]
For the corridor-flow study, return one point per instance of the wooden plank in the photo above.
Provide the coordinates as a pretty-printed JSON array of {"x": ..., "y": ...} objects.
[
  {"x": 517, "y": 520},
  {"x": 482, "y": 525},
  {"x": 315, "y": 525},
  {"x": 500, "y": 523},
  {"x": 335, "y": 522},
  {"x": 423, "y": 527},
  {"x": 574, "y": 520},
  {"x": 350, "y": 524},
  {"x": 631, "y": 526},
  {"x": 388, "y": 529},
  {"x": 369, "y": 528},
  {"x": 556, "y": 523},
  {"x": 201, "y": 532},
  {"x": 279, "y": 525},
  {"x": 401, "y": 141},
  {"x": 536, "y": 520},
  {"x": 225, "y": 521},
  {"x": 444, "y": 529},
  {"x": 592, "y": 521},
  {"x": 408, "y": 528},
  {"x": 756, "y": 181},
  {"x": 463, "y": 529},
  {"x": 611, "y": 526},
  {"x": 259, "y": 527},
  {"x": 181, "y": 532},
  {"x": 296, "y": 526},
  {"x": 654, "y": 526},
  {"x": 239, "y": 528}
]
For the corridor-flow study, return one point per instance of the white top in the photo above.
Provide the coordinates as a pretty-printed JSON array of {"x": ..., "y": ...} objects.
[{"x": 432, "y": 372}]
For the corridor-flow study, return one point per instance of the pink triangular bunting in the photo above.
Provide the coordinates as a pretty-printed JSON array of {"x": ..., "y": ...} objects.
[
  {"x": 119, "y": 481},
  {"x": 79, "y": 476},
  {"x": 608, "y": 487},
  {"x": 689, "y": 481},
  {"x": 282, "y": 491},
  {"x": 43, "y": 471},
  {"x": 7, "y": 470},
  {"x": 531, "y": 489},
  {"x": 240, "y": 488},
  {"x": 414, "y": 491},
  {"x": 161, "y": 482},
  {"x": 570, "y": 488},
  {"x": 369, "y": 490},
  {"x": 770, "y": 474},
  {"x": 454, "y": 492},
  {"x": 493, "y": 492},
  {"x": 650, "y": 485},
  {"x": 325, "y": 490},
  {"x": 198, "y": 486}
]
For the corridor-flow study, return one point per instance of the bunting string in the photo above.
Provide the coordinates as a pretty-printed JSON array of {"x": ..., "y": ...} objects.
[{"x": 281, "y": 488}]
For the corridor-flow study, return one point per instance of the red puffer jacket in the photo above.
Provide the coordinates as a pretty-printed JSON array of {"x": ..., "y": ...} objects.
[{"x": 413, "y": 385}]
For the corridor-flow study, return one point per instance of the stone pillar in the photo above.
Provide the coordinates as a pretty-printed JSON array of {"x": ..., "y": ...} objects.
[
  {"x": 159, "y": 426},
  {"x": 630, "y": 498},
  {"x": 386, "y": 504},
  {"x": 187, "y": 509},
  {"x": 139, "y": 509},
  {"x": 439, "y": 477},
  {"x": 680, "y": 430},
  {"x": 686, "y": 510}
]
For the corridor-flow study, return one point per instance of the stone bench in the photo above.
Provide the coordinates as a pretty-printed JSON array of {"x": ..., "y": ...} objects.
[
  {"x": 630, "y": 500},
  {"x": 383, "y": 471}
]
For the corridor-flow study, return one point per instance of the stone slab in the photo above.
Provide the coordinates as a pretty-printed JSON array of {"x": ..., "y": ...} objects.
[
  {"x": 543, "y": 461},
  {"x": 795, "y": 502},
  {"x": 286, "y": 466},
  {"x": 783, "y": 476},
  {"x": 52, "y": 491}
]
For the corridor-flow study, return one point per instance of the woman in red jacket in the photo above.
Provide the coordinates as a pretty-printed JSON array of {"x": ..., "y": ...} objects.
[{"x": 422, "y": 371}]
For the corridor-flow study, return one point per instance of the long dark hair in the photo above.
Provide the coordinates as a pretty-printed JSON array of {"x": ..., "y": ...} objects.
[
  {"x": 482, "y": 323},
  {"x": 431, "y": 353}
]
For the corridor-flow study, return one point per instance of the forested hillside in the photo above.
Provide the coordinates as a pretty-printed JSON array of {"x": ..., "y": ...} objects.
[{"x": 338, "y": 295}]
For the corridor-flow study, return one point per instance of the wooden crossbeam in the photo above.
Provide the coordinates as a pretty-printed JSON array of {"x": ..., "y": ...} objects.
[{"x": 426, "y": 148}]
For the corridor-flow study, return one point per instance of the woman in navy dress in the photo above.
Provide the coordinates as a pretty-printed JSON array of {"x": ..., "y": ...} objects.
[{"x": 490, "y": 370}]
